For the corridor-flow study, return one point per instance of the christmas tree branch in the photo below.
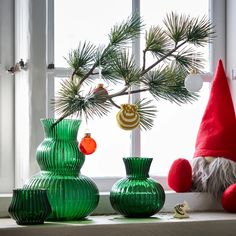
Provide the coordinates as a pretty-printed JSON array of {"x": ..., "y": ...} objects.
[
  {"x": 163, "y": 58},
  {"x": 87, "y": 75},
  {"x": 144, "y": 59},
  {"x": 166, "y": 82},
  {"x": 113, "y": 103},
  {"x": 73, "y": 75},
  {"x": 129, "y": 92},
  {"x": 119, "y": 93},
  {"x": 60, "y": 119}
]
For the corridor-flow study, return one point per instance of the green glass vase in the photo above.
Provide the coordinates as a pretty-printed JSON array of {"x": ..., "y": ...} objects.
[
  {"x": 29, "y": 206},
  {"x": 137, "y": 195},
  {"x": 71, "y": 195}
]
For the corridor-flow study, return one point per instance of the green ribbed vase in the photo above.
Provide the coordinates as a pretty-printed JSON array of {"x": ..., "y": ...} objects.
[
  {"x": 71, "y": 195},
  {"x": 29, "y": 206},
  {"x": 137, "y": 195}
]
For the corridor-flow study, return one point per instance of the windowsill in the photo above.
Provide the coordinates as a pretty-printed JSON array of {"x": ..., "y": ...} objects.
[
  {"x": 201, "y": 202},
  {"x": 207, "y": 223},
  {"x": 206, "y": 218}
]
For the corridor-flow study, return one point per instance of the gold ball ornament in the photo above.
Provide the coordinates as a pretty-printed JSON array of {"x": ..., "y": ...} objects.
[{"x": 128, "y": 117}]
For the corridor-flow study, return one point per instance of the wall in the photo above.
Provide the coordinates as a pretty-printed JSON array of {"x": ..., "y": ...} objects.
[
  {"x": 231, "y": 45},
  {"x": 6, "y": 96}
]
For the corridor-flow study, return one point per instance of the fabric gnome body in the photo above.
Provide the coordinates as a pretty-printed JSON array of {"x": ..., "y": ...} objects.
[{"x": 213, "y": 168}]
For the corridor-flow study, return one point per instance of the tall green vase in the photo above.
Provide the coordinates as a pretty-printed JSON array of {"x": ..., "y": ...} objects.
[
  {"x": 71, "y": 195},
  {"x": 137, "y": 195}
]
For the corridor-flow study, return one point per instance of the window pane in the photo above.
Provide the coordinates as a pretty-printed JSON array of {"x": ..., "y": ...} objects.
[
  {"x": 92, "y": 20},
  {"x": 79, "y": 20},
  {"x": 175, "y": 127}
]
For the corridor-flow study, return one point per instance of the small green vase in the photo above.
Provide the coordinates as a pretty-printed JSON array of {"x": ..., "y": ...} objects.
[
  {"x": 137, "y": 195},
  {"x": 29, "y": 206},
  {"x": 71, "y": 195}
]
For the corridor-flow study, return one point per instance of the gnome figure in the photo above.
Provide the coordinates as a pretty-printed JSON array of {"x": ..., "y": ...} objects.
[{"x": 213, "y": 168}]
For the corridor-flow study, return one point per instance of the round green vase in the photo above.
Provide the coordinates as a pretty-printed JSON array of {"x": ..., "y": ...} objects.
[
  {"x": 71, "y": 195},
  {"x": 137, "y": 195}
]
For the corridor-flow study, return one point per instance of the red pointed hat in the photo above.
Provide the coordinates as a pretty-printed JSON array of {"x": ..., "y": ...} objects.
[{"x": 217, "y": 133}]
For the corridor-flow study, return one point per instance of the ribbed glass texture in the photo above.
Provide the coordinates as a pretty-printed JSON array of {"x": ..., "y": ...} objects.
[
  {"x": 29, "y": 206},
  {"x": 137, "y": 195},
  {"x": 71, "y": 195}
]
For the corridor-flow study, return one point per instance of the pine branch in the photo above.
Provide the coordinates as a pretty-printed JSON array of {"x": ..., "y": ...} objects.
[
  {"x": 119, "y": 35},
  {"x": 182, "y": 30},
  {"x": 177, "y": 26},
  {"x": 130, "y": 92},
  {"x": 163, "y": 58},
  {"x": 147, "y": 113},
  {"x": 73, "y": 102},
  {"x": 144, "y": 60},
  {"x": 157, "y": 41},
  {"x": 168, "y": 84},
  {"x": 173, "y": 43},
  {"x": 65, "y": 97},
  {"x": 188, "y": 60},
  {"x": 87, "y": 75},
  {"x": 81, "y": 58},
  {"x": 200, "y": 31},
  {"x": 114, "y": 104},
  {"x": 126, "y": 31},
  {"x": 117, "y": 94},
  {"x": 125, "y": 67}
]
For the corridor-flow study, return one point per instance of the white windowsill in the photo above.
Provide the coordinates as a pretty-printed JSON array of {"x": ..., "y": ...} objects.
[
  {"x": 197, "y": 202},
  {"x": 206, "y": 218},
  {"x": 208, "y": 223}
]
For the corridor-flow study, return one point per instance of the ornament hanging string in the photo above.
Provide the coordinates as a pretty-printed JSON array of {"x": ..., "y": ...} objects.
[
  {"x": 194, "y": 71},
  {"x": 193, "y": 82},
  {"x": 100, "y": 73},
  {"x": 129, "y": 96},
  {"x": 86, "y": 127}
]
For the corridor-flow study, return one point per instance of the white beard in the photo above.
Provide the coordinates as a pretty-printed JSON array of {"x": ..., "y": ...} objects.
[{"x": 213, "y": 177}]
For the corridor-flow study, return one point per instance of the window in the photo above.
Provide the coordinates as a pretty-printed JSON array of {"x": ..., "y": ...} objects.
[
  {"x": 171, "y": 121},
  {"x": 27, "y": 91}
]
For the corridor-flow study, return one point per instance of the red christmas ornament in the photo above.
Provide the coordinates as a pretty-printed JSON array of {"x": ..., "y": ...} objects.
[
  {"x": 87, "y": 144},
  {"x": 100, "y": 92}
]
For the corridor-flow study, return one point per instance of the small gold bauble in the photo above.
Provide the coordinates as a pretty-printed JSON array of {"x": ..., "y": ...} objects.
[{"x": 128, "y": 117}]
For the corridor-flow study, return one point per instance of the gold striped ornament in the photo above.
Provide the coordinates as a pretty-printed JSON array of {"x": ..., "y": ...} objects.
[{"x": 128, "y": 117}]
